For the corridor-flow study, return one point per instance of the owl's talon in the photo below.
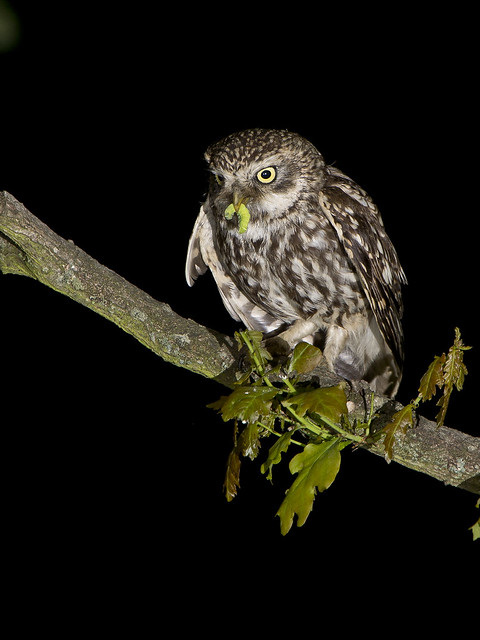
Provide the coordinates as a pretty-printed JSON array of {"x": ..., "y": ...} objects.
[{"x": 277, "y": 346}]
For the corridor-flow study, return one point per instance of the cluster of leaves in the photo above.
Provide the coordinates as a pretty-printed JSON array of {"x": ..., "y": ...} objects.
[
  {"x": 445, "y": 373},
  {"x": 475, "y": 528},
  {"x": 269, "y": 401},
  {"x": 284, "y": 409}
]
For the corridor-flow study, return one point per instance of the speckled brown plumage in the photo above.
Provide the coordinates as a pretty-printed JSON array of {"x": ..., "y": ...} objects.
[{"x": 314, "y": 262}]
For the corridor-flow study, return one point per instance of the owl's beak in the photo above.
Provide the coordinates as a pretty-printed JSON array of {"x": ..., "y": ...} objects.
[{"x": 238, "y": 200}]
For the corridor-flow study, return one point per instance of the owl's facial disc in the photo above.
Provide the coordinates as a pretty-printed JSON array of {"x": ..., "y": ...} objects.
[{"x": 248, "y": 185}]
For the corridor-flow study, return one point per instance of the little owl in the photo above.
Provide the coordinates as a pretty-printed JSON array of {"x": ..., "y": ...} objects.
[{"x": 299, "y": 251}]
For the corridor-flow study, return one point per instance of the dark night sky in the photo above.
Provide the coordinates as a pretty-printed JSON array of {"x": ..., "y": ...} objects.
[{"x": 106, "y": 113}]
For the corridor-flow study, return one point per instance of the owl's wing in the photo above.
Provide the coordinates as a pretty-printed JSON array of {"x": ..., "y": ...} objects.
[
  {"x": 195, "y": 265},
  {"x": 202, "y": 255},
  {"x": 359, "y": 227}
]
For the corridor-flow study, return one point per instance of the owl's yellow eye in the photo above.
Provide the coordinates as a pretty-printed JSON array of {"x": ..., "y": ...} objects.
[{"x": 267, "y": 175}]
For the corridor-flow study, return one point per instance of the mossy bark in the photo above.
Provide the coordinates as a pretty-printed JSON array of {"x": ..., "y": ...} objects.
[{"x": 28, "y": 247}]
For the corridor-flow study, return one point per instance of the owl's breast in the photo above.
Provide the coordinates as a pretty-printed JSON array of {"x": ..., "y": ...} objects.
[{"x": 290, "y": 270}]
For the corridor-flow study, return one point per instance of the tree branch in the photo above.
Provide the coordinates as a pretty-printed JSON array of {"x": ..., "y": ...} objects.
[{"x": 29, "y": 248}]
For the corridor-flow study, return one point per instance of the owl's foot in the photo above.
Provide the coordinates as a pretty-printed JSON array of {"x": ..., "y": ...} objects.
[
  {"x": 277, "y": 346},
  {"x": 347, "y": 370}
]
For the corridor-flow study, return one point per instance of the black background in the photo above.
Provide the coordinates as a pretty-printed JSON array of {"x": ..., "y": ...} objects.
[{"x": 113, "y": 467}]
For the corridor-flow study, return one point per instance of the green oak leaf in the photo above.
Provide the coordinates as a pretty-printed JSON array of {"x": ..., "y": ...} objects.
[
  {"x": 317, "y": 466},
  {"x": 432, "y": 378},
  {"x": 275, "y": 453},
  {"x": 305, "y": 358},
  {"x": 232, "y": 475},
  {"x": 246, "y": 403},
  {"x": 327, "y": 402},
  {"x": 475, "y": 528},
  {"x": 401, "y": 420},
  {"x": 454, "y": 372},
  {"x": 247, "y": 443}
]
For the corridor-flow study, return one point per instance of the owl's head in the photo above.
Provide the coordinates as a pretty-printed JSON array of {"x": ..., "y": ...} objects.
[{"x": 265, "y": 170}]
